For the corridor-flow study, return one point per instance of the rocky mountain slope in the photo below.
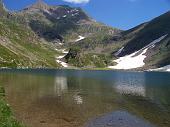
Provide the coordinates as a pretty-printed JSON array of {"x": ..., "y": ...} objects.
[
  {"x": 153, "y": 37},
  {"x": 20, "y": 47},
  {"x": 61, "y": 23},
  {"x": 62, "y": 36},
  {"x": 60, "y": 27},
  {"x": 141, "y": 48}
]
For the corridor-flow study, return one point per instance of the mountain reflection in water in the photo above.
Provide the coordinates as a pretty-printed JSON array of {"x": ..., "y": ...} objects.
[{"x": 72, "y": 98}]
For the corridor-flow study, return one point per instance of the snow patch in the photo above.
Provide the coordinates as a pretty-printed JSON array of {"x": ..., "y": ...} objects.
[
  {"x": 75, "y": 14},
  {"x": 62, "y": 63},
  {"x": 58, "y": 59},
  {"x": 136, "y": 59},
  {"x": 60, "y": 43},
  {"x": 165, "y": 68},
  {"x": 64, "y": 51},
  {"x": 80, "y": 38},
  {"x": 48, "y": 12},
  {"x": 130, "y": 61},
  {"x": 118, "y": 52},
  {"x": 74, "y": 10}
]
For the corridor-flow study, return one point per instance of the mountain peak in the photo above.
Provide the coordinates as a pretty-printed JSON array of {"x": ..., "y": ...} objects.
[{"x": 39, "y": 4}]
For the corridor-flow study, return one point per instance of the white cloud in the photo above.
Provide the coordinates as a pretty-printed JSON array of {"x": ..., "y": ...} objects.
[{"x": 77, "y": 1}]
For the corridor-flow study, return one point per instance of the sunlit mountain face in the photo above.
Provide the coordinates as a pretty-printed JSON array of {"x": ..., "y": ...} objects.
[{"x": 70, "y": 38}]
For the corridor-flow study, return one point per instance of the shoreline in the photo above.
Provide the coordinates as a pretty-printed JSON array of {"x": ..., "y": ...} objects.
[
  {"x": 87, "y": 69},
  {"x": 6, "y": 114}
]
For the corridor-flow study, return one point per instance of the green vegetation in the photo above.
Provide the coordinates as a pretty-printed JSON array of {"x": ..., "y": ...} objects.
[
  {"x": 78, "y": 59},
  {"x": 28, "y": 38},
  {"x": 20, "y": 47},
  {"x": 6, "y": 117}
]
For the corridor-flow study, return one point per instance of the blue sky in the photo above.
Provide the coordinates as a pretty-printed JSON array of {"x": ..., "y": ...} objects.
[{"x": 123, "y": 14}]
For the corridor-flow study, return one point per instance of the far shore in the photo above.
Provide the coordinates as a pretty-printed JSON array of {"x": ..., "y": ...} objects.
[{"x": 88, "y": 69}]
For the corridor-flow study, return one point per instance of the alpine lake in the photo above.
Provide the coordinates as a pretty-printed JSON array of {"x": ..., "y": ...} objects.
[{"x": 76, "y": 98}]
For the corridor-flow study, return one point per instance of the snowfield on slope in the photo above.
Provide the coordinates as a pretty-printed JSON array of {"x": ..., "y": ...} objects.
[
  {"x": 136, "y": 59},
  {"x": 130, "y": 61},
  {"x": 165, "y": 68},
  {"x": 58, "y": 59},
  {"x": 80, "y": 38}
]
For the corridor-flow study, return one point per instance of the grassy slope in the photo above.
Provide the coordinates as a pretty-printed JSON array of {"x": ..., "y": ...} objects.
[
  {"x": 90, "y": 61},
  {"x": 87, "y": 60},
  {"x": 69, "y": 28},
  {"x": 24, "y": 49},
  {"x": 20, "y": 47}
]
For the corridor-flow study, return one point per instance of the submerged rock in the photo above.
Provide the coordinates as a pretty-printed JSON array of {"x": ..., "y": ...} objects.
[{"x": 119, "y": 119}]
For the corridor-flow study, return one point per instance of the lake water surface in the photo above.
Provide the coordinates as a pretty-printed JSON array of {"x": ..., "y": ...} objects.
[{"x": 72, "y": 98}]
